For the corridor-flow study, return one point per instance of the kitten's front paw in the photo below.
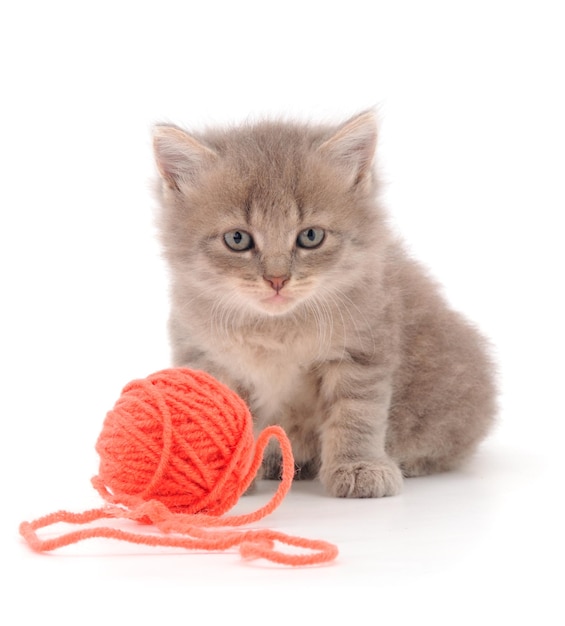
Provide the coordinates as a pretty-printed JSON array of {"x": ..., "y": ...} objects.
[
  {"x": 363, "y": 479},
  {"x": 272, "y": 465},
  {"x": 307, "y": 470},
  {"x": 272, "y": 468}
]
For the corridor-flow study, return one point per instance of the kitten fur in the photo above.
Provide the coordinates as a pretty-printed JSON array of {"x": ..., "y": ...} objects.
[{"x": 318, "y": 318}]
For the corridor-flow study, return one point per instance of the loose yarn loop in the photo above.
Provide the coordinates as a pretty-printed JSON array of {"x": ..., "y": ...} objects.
[{"x": 177, "y": 451}]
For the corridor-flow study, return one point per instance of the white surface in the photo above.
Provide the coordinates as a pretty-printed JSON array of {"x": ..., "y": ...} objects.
[{"x": 472, "y": 151}]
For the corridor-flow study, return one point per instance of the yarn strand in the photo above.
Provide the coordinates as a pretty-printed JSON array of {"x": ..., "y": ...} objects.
[
  {"x": 197, "y": 531},
  {"x": 252, "y": 544}
]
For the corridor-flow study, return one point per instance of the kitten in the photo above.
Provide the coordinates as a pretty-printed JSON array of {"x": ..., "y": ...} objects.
[{"x": 289, "y": 287}]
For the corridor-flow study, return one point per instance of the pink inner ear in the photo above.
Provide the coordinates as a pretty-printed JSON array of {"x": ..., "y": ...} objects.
[
  {"x": 353, "y": 145},
  {"x": 179, "y": 157}
]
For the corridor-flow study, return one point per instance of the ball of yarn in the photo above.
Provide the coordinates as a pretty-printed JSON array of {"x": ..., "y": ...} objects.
[
  {"x": 177, "y": 451},
  {"x": 180, "y": 437}
]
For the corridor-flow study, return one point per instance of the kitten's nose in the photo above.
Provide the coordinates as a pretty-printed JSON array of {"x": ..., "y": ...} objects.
[{"x": 277, "y": 282}]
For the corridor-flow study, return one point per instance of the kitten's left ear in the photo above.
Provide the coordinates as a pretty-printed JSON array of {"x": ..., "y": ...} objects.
[
  {"x": 353, "y": 146},
  {"x": 179, "y": 156}
]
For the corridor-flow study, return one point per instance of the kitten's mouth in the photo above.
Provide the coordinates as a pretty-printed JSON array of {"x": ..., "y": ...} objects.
[
  {"x": 277, "y": 299},
  {"x": 277, "y": 303}
]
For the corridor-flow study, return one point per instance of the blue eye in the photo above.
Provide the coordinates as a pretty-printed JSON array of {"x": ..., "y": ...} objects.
[
  {"x": 311, "y": 238},
  {"x": 238, "y": 240}
]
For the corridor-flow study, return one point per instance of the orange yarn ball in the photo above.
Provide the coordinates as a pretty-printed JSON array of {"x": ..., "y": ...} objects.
[{"x": 180, "y": 437}]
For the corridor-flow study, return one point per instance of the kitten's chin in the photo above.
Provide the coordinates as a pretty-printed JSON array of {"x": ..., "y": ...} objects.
[{"x": 276, "y": 304}]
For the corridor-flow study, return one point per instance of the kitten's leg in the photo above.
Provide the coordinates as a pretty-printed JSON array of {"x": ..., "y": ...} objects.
[
  {"x": 354, "y": 461},
  {"x": 271, "y": 468}
]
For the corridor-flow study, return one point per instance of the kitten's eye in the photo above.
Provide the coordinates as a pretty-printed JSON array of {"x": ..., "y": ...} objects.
[
  {"x": 238, "y": 240},
  {"x": 310, "y": 238}
]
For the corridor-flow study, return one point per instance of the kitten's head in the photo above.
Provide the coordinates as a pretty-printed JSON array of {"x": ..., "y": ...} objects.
[{"x": 268, "y": 217}]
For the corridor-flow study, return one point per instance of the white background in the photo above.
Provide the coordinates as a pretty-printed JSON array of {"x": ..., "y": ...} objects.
[{"x": 470, "y": 98}]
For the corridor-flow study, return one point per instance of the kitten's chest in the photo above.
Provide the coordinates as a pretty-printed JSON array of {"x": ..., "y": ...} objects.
[{"x": 277, "y": 376}]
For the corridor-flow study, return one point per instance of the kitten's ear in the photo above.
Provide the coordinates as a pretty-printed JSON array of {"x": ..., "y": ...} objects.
[
  {"x": 353, "y": 146},
  {"x": 180, "y": 157}
]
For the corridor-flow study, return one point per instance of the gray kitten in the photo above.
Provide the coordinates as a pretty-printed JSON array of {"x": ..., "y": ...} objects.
[{"x": 289, "y": 287}]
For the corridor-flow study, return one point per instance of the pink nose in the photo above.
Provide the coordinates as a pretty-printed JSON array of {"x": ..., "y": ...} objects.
[{"x": 277, "y": 282}]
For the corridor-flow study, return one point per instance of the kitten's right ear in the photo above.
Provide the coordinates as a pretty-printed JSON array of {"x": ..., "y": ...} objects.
[
  {"x": 179, "y": 157},
  {"x": 352, "y": 147}
]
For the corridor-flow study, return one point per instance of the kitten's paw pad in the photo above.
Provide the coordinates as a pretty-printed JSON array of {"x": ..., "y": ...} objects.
[{"x": 363, "y": 479}]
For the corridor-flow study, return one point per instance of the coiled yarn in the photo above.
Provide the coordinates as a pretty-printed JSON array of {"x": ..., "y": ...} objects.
[{"x": 178, "y": 437}]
